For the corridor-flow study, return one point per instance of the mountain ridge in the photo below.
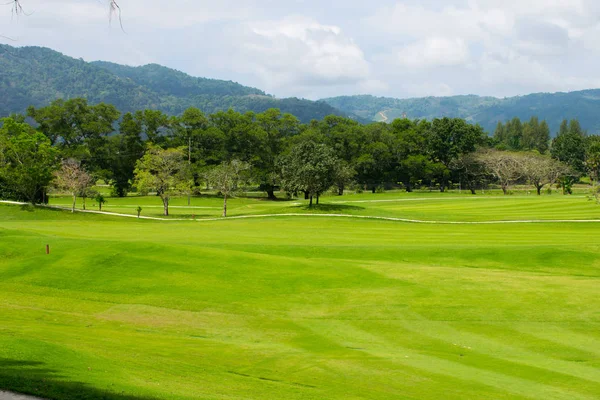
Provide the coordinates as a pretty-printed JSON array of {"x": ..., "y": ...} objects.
[
  {"x": 36, "y": 76},
  {"x": 485, "y": 110}
]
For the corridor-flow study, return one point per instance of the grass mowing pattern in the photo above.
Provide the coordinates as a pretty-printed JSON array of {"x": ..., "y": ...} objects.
[
  {"x": 298, "y": 308},
  {"x": 420, "y": 206}
]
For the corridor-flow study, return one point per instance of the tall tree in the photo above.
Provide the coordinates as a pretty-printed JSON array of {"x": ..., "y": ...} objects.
[
  {"x": 309, "y": 167},
  {"x": 27, "y": 161},
  {"x": 275, "y": 129},
  {"x": 228, "y": 178},
  {"x": 126, "y": 149},
  {"x": 161, "y": 170},
  {"x": 448, "y": 139},
  {"x": 569, "y": 146},
  {"x": 592, "y": 158}
]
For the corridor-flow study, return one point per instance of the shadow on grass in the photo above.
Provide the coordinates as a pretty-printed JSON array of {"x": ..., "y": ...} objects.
[
  {"x": 31, "y": 377},
  {"x": 329, "y": 208}
]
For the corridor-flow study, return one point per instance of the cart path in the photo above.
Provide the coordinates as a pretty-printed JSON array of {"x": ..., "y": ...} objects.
[
  {"x": 15, "y": 396},
  {"x": 347, "y": 216}
]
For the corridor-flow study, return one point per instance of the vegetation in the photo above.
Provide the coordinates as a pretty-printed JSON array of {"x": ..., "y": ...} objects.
[
  {"x": 179, "y": 155},
  {"x": 284, "y": 307},
  {"x": 37, "y": 76},
  {"x": 486, "y": 111}
]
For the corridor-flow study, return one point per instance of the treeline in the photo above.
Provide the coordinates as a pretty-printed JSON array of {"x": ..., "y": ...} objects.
[{"x": 151, "y": 151}]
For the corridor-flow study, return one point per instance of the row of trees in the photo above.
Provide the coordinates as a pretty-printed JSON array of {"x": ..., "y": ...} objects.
[{"x": 150, "y": 151}]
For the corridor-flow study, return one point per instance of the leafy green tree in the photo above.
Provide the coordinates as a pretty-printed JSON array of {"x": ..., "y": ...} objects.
[
  {"x": 241, "y": 136},
  {"x": 569, "y": 146},
  {"x": 448, "y": 139},
  {"x": 228, "y": 178},
  {"x": 592, "y": 158},
  {"x": 27, "y": 162},
  {"x": 564, "y": 128},
  {"x": 161, "y": 170},
  {"x": 156, "y": 126},
  {"x": 414, "y": 169},
  {"x": 275, "y": 129},
  {"x": 500, "y": 135},
  {"x": 126, "y": 149},
  {"x": 471, "y": 170},
  {"x": 99, "y": 198},
  {"x": 309, "y": 167}
]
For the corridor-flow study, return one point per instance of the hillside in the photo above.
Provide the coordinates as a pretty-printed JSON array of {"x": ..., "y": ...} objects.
[
  {"x": 36, "y": 76},
  {"x": 487, "y": 111}
]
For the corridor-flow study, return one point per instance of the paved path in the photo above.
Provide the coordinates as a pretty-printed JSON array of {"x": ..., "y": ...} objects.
[
  {"x": 349, "y": 216},
  {"x": 15, "y": 396}
]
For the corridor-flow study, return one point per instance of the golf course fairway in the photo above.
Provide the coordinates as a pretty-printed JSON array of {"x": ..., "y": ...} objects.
[{"x": 301, "y": 307}]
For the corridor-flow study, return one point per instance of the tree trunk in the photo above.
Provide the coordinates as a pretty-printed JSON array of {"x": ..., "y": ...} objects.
[
  {"x": 74, "y": 200},
  {"x": 409, "y": 188},
  {"x": 225, "y": 205},
  {"x": 373, "y": 189},
  {"x": 539, "y": 189},
  {"x": 341, "y": 189},
  {"x": 166, "y": 207},
  {"x": 189, "y": 199},
  {"x": 84, "y": 204},
  {"x": 271, "y": 194},
  {"x": 311, "y": 201},
  {"x": 318, "y": 195},
  {"x": 442, "y": 187},
  {"x": 100, "y": 206},
  {"x": 504, "y": 189},
  {"x": 306, "y": 195}
]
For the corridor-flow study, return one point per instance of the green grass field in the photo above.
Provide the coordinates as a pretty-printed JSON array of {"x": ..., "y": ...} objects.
[{"x": 300, "y": 307}]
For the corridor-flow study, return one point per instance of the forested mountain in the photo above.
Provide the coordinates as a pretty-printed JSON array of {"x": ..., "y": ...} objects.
[
  {"x": 36, "y": 76},
  {"x": 487, "y": 111}
]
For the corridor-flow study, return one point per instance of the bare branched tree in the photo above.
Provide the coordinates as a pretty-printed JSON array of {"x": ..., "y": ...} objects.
[
  {"x": 113, "y": 7},
  {"x": 505, "y": 166},
  {"x": 72, "y": 177}
]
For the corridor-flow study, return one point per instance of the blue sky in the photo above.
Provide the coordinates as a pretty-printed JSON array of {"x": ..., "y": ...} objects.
[{"x": 317, "y": 49}]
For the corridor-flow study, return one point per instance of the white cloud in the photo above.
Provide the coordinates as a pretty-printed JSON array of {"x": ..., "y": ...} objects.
[
  {"x": 434, "y": 52},
  {"x": 301, "y": 52},
  {"x": 314, "y": 49}
]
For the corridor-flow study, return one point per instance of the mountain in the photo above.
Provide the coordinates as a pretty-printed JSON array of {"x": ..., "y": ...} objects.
[
  {"x": 36, "y": 76},
  {"x": 487, "y": 111}
]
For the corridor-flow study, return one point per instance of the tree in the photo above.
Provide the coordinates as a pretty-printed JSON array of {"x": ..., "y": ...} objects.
[
  {"x": 569, "y": 146},
  {"x": 100, "y": 200},
  {"x": 27, "y": 162},
  {"x": 276, "y": 128},
  {"x": 161, "y": 170},
  {"x": 592, "y": 158},
  {"x": 542, "y": 170},
  {"x": 505, "y": 166},
  {"x": 450, "y": 138},
  {"x": 471, "y": 170},
  {"x": 227, "y": 178},
  {"x": 309, "y": 167},
  {"x": 126, "y": 149},
  {"x": 536, "y": 135},
  {"x": 73, "y": 178}
]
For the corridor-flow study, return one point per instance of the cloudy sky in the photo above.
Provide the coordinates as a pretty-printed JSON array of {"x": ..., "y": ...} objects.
[{"x": 316, "y": 48}]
